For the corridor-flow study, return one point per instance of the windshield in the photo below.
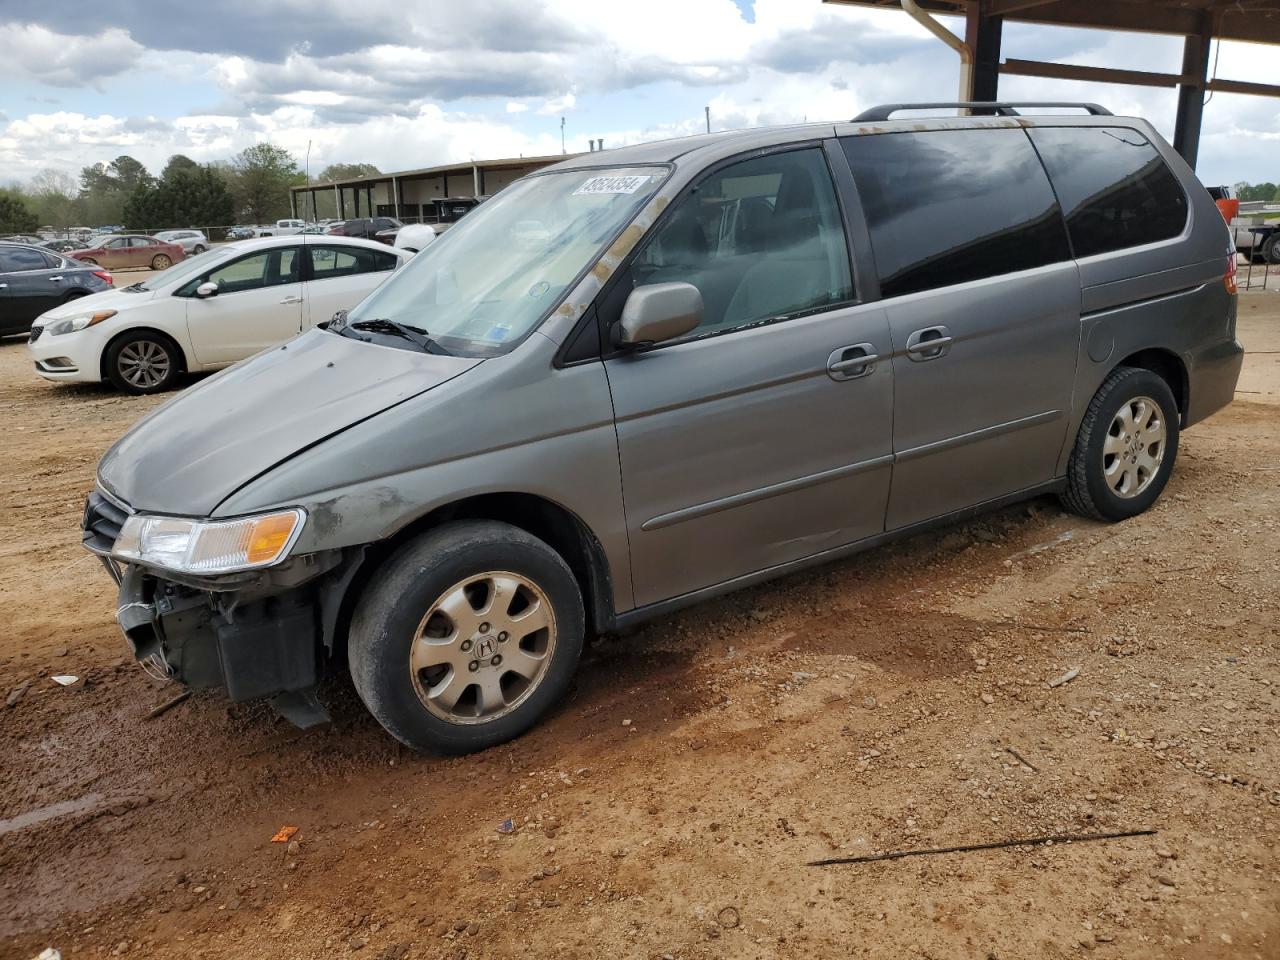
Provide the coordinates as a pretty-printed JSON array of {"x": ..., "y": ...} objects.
[
  {"x": 188, "y": 268},
  {"x": 492, "y": 277}
]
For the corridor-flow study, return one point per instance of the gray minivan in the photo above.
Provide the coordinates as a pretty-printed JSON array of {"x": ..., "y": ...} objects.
[{"x": 647, "y": 376}]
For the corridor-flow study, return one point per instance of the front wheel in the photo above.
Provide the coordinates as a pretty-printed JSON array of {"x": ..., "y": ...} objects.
[
  {"x": 467, "y": 636},
  {"x": 161, "y": 261},
  {"x": 142, "y": 362},
  {"x": 1126, "y": 447},
  {"x": 198, "y": 248},
  {"x": 89, "y": 261}
]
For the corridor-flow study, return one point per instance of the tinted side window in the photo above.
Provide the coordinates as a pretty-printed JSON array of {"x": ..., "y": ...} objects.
[
  {"x": 329, "y": 262},
  {"x": 270, "y": 268},
  {"x": 760, "y": 239},
  {"x": 1114, "y": 186},
  {"x": 385, "y": 261},
  {"x": 19, "y": 260},
  {"x": 949, "y": 206}
]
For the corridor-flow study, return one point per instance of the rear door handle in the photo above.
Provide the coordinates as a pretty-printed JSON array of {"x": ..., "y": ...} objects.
[
  {"x": 291, "y": 300},
  {"x": 852, "y": 362},
  {"x": 4, "y": 286},
  {"x": 55, "y": 279},
  {"x": 929, "y": 343}
]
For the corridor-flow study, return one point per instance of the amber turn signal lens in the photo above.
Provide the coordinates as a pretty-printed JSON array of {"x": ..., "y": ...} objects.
[{"x": 269, "y": 535}]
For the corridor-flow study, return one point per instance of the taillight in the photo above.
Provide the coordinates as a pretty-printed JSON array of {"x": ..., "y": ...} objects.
[
  {"x": 104, "y": 276},
  {"x": 1229, "y": 278}
]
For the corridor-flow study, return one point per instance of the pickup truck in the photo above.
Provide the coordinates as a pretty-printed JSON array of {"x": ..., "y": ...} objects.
[
  {"x": 1254, "y": 225},
  {"x": 282, "y": 228}
]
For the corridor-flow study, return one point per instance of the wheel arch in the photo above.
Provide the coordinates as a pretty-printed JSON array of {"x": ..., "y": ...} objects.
[
  {"x": 183, "y": 361},
  {"x": 1169, "y": 367},
  {"x": 551, "y": 522}
]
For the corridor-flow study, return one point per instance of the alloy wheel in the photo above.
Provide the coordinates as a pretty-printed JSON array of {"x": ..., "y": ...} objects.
[
  {"x": 145, "y": 364},
  {"x": 1134, "y": 447},
  {"x": 483, "y": 647}
]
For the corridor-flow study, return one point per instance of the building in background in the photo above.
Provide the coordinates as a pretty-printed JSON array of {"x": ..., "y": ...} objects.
[{"x": 414, "y": 196}]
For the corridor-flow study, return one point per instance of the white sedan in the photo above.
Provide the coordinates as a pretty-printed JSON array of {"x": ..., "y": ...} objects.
[{"x": 208, "y": 311}]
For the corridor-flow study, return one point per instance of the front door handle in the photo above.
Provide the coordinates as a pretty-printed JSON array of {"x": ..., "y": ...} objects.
[
  {"x": 291, "y": 300},
  {"x": 55, "y": 279},
  {"x": 929, "y": 344},
  {"x": 4, "y": 286},
  {"x": 852, "y": 362}
]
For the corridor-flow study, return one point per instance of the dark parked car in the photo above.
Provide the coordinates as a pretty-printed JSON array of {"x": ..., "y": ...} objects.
[
  {"x": 65, "y": 245},
  {"x": 33, "y": 280},
  {"x": 132, "y": 250},
  {"x": 367, "y": 227}
]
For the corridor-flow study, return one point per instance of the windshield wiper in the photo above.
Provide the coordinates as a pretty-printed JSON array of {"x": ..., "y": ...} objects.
[
  {"x": 136, "y": 286},
  {"x": 415, "y": 335}
]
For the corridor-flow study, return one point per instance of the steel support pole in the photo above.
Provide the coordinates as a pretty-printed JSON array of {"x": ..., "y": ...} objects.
[
  {"x": 982, "y": 34},
  {"x": 1195, "y": 66}
]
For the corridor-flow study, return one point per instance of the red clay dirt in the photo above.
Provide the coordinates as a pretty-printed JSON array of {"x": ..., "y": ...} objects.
[{"x": 669, "y": 806}]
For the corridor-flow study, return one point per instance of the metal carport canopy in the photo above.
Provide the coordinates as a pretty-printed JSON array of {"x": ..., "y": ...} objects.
[{"x": 1198, "y": 21}]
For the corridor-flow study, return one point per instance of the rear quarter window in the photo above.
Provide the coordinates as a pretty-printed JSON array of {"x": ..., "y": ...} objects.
[
  {"x": 1116, "y": 190},
  {"x": 949, "y": 206}
]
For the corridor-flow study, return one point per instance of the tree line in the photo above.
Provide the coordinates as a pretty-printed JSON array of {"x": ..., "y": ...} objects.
[
  {"x": 1257, "y": 191},
  {"x": 253, "y": 187}
]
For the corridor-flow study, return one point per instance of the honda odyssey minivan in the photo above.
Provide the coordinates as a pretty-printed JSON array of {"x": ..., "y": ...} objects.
[{"x": 647, "y": 376}]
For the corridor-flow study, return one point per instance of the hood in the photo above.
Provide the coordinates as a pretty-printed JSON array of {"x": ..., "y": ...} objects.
[
  {"x": 193, "y": 452},
  {"x": 113, "y": 299}
]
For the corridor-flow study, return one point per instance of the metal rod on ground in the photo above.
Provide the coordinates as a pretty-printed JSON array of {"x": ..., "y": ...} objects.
[
  {"x": 1029, "y": 842},
  {"x": 168, "y": 705}
]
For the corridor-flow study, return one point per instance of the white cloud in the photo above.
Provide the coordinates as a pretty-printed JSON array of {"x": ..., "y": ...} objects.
[
  {"x": 454, "y": 81},
  {"x": 27, "y": 50}
]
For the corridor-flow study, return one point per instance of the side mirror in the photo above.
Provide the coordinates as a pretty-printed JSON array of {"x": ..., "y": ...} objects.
[
  {"x": 207, "y": 290},
  {"x": 657, "y": 312}
]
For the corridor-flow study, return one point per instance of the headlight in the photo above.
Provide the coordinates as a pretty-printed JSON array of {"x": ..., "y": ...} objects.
[
  {"x": 78, "y": 322},
  {"x": 208, "y": 546}
]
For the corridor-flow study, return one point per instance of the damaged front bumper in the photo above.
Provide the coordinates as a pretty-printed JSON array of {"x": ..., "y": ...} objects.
[{"x": 262, "y": 634}]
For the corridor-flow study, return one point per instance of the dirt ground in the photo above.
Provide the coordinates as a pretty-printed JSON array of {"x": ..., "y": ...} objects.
[{"x": 669, "y": 807}]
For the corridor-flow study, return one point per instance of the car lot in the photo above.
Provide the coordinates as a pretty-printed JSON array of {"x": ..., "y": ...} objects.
[{"x": 670, "y": 805}]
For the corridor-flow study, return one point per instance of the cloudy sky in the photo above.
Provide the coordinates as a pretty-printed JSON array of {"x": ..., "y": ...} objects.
[{"x": 408, "y": 84}]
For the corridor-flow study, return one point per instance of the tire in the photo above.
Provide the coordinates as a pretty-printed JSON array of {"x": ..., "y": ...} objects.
[
  {"x": 89, "y": 261},
  {"x": 1113, "y": 473},
  {"x": 74, "y": 295},
  {"x": 143, "y": 362},
  {"x": 455, "y": 568},
  {"x": 198, "y": 248},
  {"x": 161, "y": 261},
  {"x": 1271, "y": 249}
]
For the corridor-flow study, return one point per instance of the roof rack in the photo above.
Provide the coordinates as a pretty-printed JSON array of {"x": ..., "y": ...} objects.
[{"x": 886, "y": 110}]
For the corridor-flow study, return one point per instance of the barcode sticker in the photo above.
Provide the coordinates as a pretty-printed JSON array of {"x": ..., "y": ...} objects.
[{"x": 612, "y": 185}]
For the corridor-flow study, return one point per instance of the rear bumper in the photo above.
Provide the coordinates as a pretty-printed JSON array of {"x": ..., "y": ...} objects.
[{"x": 1212, "y": 379}]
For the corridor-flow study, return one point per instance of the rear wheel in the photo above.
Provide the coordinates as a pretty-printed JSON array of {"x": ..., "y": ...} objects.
[
  {"x": 199, "y": 248},
  {"x": 1126, "y": 447},
  {"x": 1271, "y": 249},
  {"x": 89, "y": 261},
  {"x": 468, "y": 635},
  {"x": 142, "y": 362},
  {"x": 161, "y": 261}
]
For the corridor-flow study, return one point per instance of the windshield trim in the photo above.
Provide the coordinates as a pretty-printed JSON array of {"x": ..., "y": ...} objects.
[{"x": 479, "y": 353}]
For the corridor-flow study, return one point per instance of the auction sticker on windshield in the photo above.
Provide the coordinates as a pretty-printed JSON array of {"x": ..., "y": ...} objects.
[{"x": 612, "y": 185}]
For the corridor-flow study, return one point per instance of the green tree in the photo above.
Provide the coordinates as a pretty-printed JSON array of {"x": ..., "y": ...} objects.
[
  {"x": 127, "y": 173},
  {"x": 347, "y": 171},
  {"x": 261, "y": 178},
  {"x": 178, "y": 162},
  {"x": 185, "y": 198},
  {"x": 1256, "y": 191},
  {"x": 104, "y": 187},
  {"x": 14, "y": 215}
]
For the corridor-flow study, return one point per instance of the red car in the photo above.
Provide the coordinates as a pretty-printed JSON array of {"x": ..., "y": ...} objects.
[{"x": 131, "y": 250}]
